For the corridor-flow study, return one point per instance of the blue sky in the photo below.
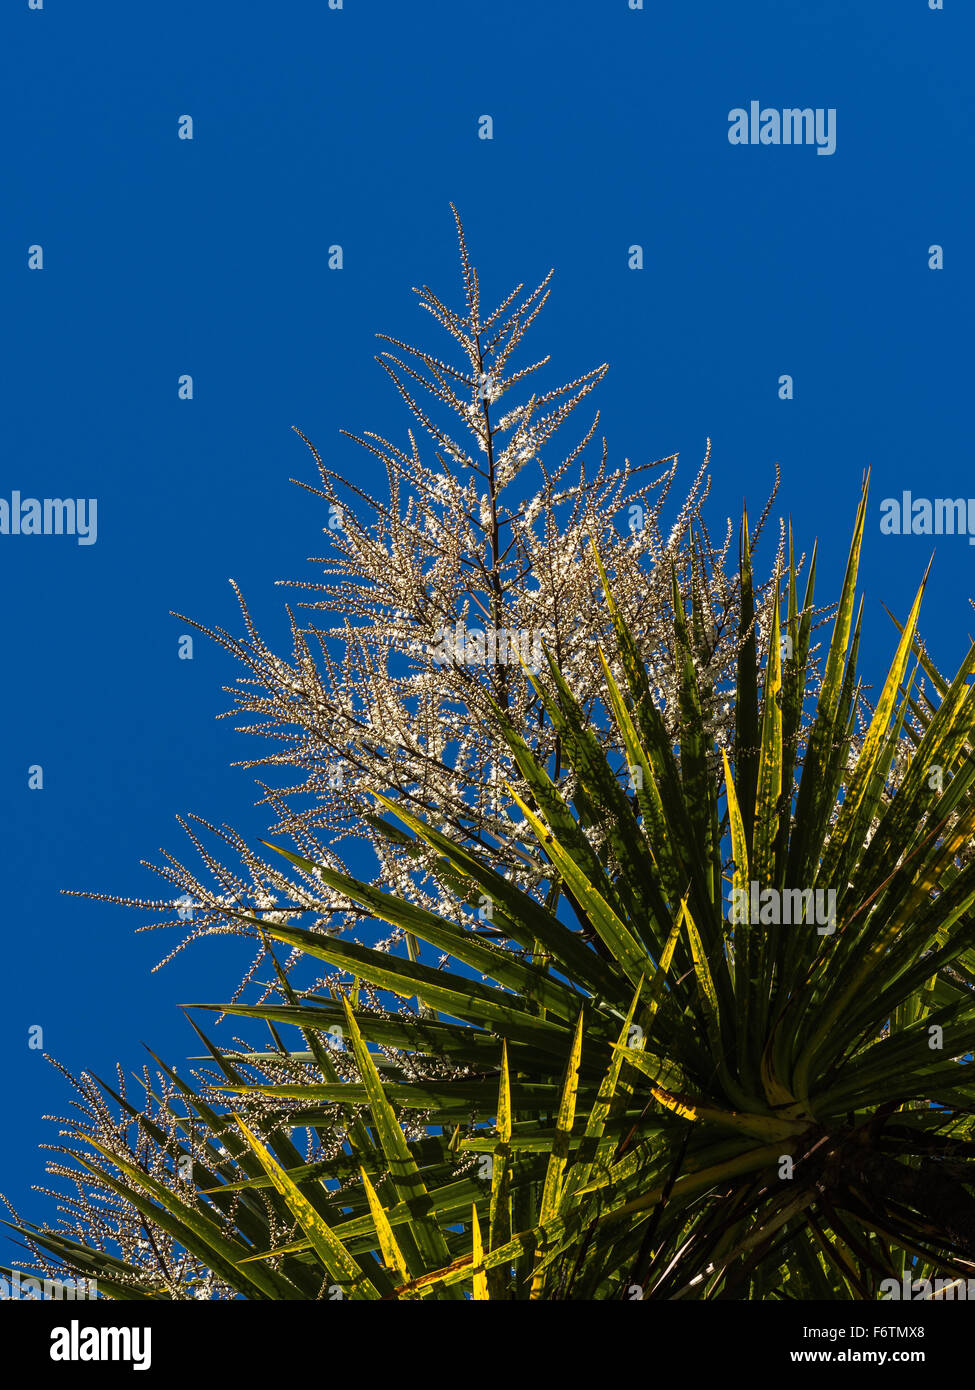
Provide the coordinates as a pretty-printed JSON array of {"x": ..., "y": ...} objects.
[{"x": 357, "y": 127}]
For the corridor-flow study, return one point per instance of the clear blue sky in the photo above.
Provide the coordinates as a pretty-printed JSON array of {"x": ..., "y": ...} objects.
[{"x": 357, "y": 126}]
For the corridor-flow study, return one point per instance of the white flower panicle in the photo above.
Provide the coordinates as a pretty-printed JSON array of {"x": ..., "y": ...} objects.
[{"x": 431, "y": 604}]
